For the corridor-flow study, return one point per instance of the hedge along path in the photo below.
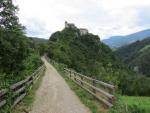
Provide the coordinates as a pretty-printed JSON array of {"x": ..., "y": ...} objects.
[{"x": 55, "y": 96}]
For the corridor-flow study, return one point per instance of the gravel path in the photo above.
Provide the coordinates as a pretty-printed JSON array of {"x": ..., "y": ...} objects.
[{"x": 55, "y": 96}]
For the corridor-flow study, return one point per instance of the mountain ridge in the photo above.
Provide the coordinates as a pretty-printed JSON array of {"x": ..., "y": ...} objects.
[
  {"x": 118, "y": 41},
  {"x": 39, "y": 40}
]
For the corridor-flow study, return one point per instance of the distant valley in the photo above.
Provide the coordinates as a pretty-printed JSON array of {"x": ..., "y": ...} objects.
[{"x": 39, "y": 40}]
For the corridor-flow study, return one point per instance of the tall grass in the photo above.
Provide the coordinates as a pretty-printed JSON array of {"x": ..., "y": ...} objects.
[{"x": 131, "y": 104}]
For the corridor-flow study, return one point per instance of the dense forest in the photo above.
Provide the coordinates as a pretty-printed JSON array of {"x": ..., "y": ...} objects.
[
  {"x": 137, "y": 56},
  {"x": 19, "y": 56},
  {"x": 88, "y": 55}
]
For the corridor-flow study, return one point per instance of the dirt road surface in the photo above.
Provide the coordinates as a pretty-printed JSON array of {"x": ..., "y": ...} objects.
[{"x": 55, "y": 96}]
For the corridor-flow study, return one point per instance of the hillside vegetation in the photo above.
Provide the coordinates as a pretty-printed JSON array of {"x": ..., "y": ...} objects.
[
  {"x": 85, "y": 53},
  {"x": 18, "y": 54},
  {"x": 141, "y": 102},
  {"x": 88, "y": 55},
  {"x": 137, "y": 56}
]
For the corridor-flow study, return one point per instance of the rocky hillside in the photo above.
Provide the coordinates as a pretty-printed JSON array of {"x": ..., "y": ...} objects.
[{"x": 84, "y": 53}]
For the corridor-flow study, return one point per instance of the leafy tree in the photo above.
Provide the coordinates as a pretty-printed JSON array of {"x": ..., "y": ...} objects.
[
  {"x": 8, "y": 18},
  {"x": 42, "y": 48},
  {"x": 13, "y": 49},
  {"x": 17, "y": 53}
]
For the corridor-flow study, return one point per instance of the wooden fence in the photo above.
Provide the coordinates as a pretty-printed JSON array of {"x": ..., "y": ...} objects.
[
  {"x": 104, "y": 92},
  {"x": 16, "y": 92}
]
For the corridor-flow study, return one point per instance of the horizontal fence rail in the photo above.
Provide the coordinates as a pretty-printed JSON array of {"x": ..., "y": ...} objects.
[
  {"x": 3, "y": 94},
  {"x": 16, "y": 92},
  {"x": 104, "y": 92}
]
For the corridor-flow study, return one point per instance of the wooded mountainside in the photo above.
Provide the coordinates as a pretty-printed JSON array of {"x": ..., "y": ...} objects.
[{"x": 137, "y": 56}]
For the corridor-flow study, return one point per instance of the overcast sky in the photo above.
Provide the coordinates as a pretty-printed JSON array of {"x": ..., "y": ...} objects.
[{"x": 102, "y": 17}]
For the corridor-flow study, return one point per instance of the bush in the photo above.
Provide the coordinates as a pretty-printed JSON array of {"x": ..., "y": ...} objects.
[
  {"x": 31, "y": 63},
  {"x": 14, "y": 48}
]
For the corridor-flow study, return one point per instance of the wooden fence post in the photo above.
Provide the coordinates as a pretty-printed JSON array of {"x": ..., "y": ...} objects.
[
  {"x": 81, "y": 80},
  {"x": 111, "y": 100},
  {"x": 70, "y": 74},
  {"x": 32, "y": 78},
  {"x": 74, "y": 76},
  {"x": 113, "y": 91},
  {"x": 10, "y": 93},
  {"x": 94, "y": 84}
]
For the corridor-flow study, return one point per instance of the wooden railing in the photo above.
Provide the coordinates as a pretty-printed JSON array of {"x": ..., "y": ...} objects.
[
  {"x": 104, "y": 92},
  {"x": 16, "y": 92}
]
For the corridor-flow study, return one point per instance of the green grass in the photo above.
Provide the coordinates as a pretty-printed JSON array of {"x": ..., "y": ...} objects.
[
  {"x": 141, "y": 102},
  {"x": 26, "y": 104},
  {"x": 131, "y": 104},
  {"x": 86, "y": 98}
]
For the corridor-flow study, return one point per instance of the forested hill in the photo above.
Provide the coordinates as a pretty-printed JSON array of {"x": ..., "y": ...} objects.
[
  {"x": 137, "y": 56},
  {"x": 88, "y": 55},
  {"x": 39, "y": 40},
  {"x": 85, "y": 53}
]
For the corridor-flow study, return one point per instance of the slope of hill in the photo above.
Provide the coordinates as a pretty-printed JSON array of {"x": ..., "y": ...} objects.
[
  {"x": 39, "y": 40},
  {"x": 137, "y": 56},
  {"x": 118, "y": 41},
  {"x": 82, "y": 52},
  {"x": 88, "y": 55}
]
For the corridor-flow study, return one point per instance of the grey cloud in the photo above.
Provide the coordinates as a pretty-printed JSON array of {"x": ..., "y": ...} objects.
[{"x": 98, "y": 16}]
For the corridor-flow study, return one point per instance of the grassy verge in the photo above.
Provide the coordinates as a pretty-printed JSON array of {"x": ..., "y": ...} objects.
[
  {"x": 140, "y": 102},
  {"x": 87, "y": 99},
  {"x": 131, "y": 104},
  {"x": 26, "y": 104}
]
